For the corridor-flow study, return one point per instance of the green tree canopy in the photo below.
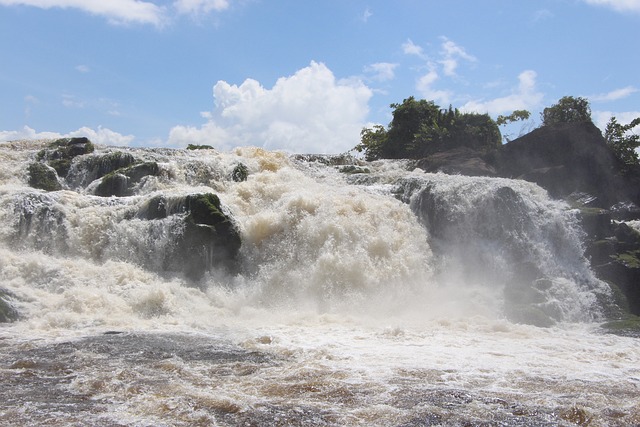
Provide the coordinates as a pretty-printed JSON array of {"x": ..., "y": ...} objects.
[
  {"x": 622, "y": 141},
  {"x": 569, "y": 109},
  {"x": 420, "y": 128}
]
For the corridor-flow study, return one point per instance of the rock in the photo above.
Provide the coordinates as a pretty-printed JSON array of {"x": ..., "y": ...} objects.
[
  {"x": 120, "y": 182},
  {"x": 43, "y": 177},
  {"x": 199, "y": 147},
  {"x": 563, "y": 159},
  {"x": 353, "y": 169},
  {"x": 596, "y": 223},
  {"x": 210, "y": 237},
  {"x": 7, "y": 312},
  {"x": 240, "y": 173},
  {"x": 458, "y": 161},
  {"x": 60, "y": 153},
  {"x": 94, "y": 167}
]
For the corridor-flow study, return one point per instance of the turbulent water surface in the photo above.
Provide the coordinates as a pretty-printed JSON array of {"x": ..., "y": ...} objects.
[{"x": 385, "y": 298}]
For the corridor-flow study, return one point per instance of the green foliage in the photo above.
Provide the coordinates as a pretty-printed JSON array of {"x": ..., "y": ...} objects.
[
  {"x": 420, "y": 128},
  {"x": 371, "y": 142},
  {"x": 513, "y": 117},
  {"x": 569, "y": 109},
  {"x": 623, "y": 143}
]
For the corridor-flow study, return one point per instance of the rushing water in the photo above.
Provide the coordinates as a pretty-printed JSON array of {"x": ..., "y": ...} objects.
[{"x": 387, "y": 298}]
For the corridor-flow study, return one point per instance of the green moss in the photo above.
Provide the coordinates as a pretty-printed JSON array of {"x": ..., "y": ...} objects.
[
  {"x": 199, "y": 147},
  {"x": 43, "y": 177},
  {"x": 628, "y": 259},
  {"x": 628, "y": 326},
  {"x": 205, "y": 209}
]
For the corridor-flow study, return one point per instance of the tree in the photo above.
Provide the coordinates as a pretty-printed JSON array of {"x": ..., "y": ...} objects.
[
  {"x": 513, "y": 117},
  {"x": 420, "y": 128},
  {"x": 568, "y": 110},
  {"x": 623, "y": 143},
  {"x": 371, "y": 142}
]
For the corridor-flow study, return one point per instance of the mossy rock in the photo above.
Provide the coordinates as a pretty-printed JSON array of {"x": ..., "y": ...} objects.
[
  {"x": 120, "y": 182},
  {"x": 199, "y": 147},
  {"x": 43, "y": 177},
  {"x": 113, "y": 184},
  {"x": 529, "y": 315},
  {"x": 353, "y": 169},
  {"x": 628, "y": 326},
  {"x": 7, "y": 312},
  {"x": 209, "y": 238},
  {"x": 240, "y": 173},
  {"x": 107, "y": 163},
  {"x": 60, "y": 153}
]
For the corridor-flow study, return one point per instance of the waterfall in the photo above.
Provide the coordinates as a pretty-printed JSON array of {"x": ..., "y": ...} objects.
[{"x": 301, "y": 233}]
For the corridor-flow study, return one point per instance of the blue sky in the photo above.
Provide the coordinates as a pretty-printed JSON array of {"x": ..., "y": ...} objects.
[{"x": 301, "y": 76}]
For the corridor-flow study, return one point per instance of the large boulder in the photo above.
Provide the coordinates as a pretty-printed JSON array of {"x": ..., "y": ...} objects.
[
  {"x": 121, "y": 182},
  {"x": 61, "y": 152},
  {"x": 563, "y": 159},
  {"x": 210, "y": 237},
  {"x": 7, "y": 312},
  {"x": 43, "y": 177}
]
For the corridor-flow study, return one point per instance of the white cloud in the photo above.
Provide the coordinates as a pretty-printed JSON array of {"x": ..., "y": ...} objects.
[
  {"x": 424, "y": 87},
  {"x": 101, "y": 136},
  {"x": 83, "y": 69},
  {"x": 116, "y": 11},
  {"x": 410, "y": 48},
  {"x": 618, "y": 5},
  {"x": 451, "y": 54},
  {"x": 308, "y": 112},
  {"x": 615, "y": 94},
  {"x": 601, "y": 118},
  {"x": 195, "y": 7},
  {"x": 525, "y": 97},
  {"x": 366, "y": 15},
  {"x": 381, "y": 71}
]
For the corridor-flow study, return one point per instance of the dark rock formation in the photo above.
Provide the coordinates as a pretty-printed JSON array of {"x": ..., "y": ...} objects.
[
  {"x": 210, "y": 237},
  {"x": 60, "y": 153},
  {"x": 563, "y": 159},
  {"x": 120, "y": 182},
  {"x": 7, "y": 312},
  {"x": 240, "y": 173},
  {"x": 462, "y": 161},
  {"x": 94, "y": 167}
]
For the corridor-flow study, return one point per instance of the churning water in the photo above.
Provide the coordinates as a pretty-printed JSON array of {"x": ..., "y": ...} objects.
[{"x": 385, "y": 298}]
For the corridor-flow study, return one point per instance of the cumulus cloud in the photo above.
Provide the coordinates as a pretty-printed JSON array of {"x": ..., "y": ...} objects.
[
  {"x": 308, "y": 112},
  {"x": 618, "y": 5},
  {"x": 525, "y": 96},
  {"x": 101, "y": 136},
  {"x": 615, "y": 94},
  {"x": 116, "y": 11}
]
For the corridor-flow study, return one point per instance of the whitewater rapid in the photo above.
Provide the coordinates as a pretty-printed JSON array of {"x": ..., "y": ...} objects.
[{"x": 391, "y": 297}]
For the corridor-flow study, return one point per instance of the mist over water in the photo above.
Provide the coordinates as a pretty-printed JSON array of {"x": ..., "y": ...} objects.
[{"x": 381, "y": 298}]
